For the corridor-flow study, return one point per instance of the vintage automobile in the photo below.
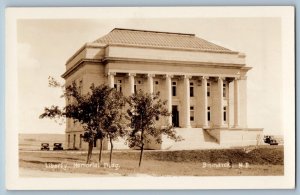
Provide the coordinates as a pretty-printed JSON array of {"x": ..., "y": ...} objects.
[
  {"x": 270, "y": 140},
  {"x": 45, "y": 146},
  {"x": 273, "y": 142},
  {"x": 57, "y": 146}
]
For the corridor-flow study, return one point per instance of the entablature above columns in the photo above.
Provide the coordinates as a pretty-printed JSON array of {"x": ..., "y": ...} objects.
[
  {"x": 168, "y": 76},
  {"x": 150, "y": 75},
  {"x": 131, "y": 74},
  {"x": 177, "y": 74},
  {"x": 111, "y": 73}
]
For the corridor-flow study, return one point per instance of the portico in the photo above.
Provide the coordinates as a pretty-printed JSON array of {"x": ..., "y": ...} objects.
[{"x": 220, "y": 120}]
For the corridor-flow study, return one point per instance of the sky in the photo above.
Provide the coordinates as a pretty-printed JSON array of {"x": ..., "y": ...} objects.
[{"x": 44, "y": 45}]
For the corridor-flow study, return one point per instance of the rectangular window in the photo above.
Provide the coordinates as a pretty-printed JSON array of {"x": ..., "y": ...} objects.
[
  {"x": 80, "y": 141},
  {"x": 208, "y": 89},
  {"x": 80, "y": 86},
  {"x": 74, "y": 140},
  {"x": 155, "y": 86},
  {"x": 191, "y": 89},
  {"x": 224, "y": 90},
  {"x": 69, "y": 141},
  {"x": 137, "y": 85},
  {"x": 118, "y": 86},
  {"x": 174, "y": 88},
  {"x": 224, "y": 113},
  {"x": 208, "y": 113},
  {"x": 192, "y": 113}
]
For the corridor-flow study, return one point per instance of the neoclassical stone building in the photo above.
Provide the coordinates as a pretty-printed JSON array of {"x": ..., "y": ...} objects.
[{"x": 204, "y": 84}]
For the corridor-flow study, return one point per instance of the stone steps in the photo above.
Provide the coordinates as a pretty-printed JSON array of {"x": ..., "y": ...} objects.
[{"x": 194, "y": 138}]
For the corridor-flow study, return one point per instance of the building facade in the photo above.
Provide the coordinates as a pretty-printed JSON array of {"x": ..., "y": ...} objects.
[{"x": 205, "y": 85}]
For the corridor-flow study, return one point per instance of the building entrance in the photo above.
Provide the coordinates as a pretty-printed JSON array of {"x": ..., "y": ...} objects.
[{"x": 175, "y": 116}]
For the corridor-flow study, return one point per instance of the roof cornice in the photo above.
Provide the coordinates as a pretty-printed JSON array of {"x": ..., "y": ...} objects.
[
  {"x": 149, "y": 61},
  {"x": 173, "y": 62},
  {"x": 86, "y": 45}
]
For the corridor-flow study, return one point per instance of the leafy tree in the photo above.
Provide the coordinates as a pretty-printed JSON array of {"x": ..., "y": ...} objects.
[
  {"x": 143, "y": 110},
  {"x": 114, "y": 122},
  {"x": 91, "y": 110}
]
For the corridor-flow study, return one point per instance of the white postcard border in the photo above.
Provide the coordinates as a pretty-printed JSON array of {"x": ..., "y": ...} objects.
[{"x": 13, "y": 181}]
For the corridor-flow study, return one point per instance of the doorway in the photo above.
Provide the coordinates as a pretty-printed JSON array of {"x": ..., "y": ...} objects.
[{"x": 175, "y": 116}]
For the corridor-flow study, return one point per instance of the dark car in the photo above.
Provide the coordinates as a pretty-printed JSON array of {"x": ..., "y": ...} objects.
[
  {"x": 267, "y": 139},
  {"x": 273, "y": 142},
  {"x": 270, "y": 140},
  {"x": 57, "y": 146},
  {"x": 45, "y": 146}
]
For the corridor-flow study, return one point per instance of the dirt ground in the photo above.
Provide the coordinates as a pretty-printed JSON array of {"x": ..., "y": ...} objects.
[{"x": 228, "y": 162}]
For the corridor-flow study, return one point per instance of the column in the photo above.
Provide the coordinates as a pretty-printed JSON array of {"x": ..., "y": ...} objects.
[
  {"x": 186, "y": 101},
  {"x": 111, "y": 79},
  {"x": 169, "y": 96},
  {"x": 204, "y": 102},
  {"x": 236, "y": 103},
  {"x": 220, "y": 106},
  {"x": 131, "y": 82},
  {"x": 150, "y": 83}
]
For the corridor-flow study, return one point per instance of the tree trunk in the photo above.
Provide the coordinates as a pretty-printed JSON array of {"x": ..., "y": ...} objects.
[
  {"x": 111, "y": 149},
  {"x": 90, "y": 150},
  {"x": 100, "y": 154},
  {"x": 142, "y": 148},
  {"x": 141, "y": 155}
]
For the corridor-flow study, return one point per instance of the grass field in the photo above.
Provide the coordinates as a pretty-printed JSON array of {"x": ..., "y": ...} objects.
[{"x": 265, "y": 160}]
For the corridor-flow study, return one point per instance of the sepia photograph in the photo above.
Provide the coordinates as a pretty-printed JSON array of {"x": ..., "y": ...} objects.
[{"x": 170, "y": 98}]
